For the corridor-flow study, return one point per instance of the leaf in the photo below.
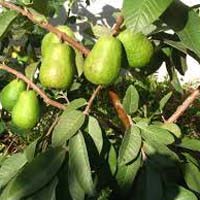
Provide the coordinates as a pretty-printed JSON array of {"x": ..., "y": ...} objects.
[
  {"x": 99, "y": 30},
  {"x": 131, "y": 100},
  {"x": 153, "y": 184},
  {"x": 175, "y": 81},
  {"x": 30, "y": 150},
  {"x": 141, "y": 13},
  {"x": 30, "y": 70},
  {"x": 79, "y": 61},
  {"x": 173, "y": 128},
  {"x": 127, "y": 173},
  {"x": 112, "y": 159},
  {"x": 192, "y": 176},
  {"x": 185, "y": 22},
  {"x": 78, "y": 156},
  {"x": 176, "y": 192},
  {"x": 130, "y": 146},
  {"x": 69, "y": 123},
  {"x": 48, "y": 192},
  {"x": 160, "y": 154},
  {"x": 95, "y": 132},
  {"x": 11, "y": 167},
  {"x": 190, "y": 143},
  {"x": 164, "y": 100},
  {"x": 156, "y": 133},
  {"x": 76, "y": 104},
  {"x": 34, "y": 175},
  {"x": 76, "y": 191},
  {"x": 2, "y": 126},
  {"x": 6, "y": 18}
]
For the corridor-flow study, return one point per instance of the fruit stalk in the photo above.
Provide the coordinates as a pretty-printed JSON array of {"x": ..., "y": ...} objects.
[{"x": 33, "y": 86}]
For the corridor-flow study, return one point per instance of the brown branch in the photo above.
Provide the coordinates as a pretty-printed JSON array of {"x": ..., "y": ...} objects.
[
  {"x": 124, "y": 117},
  {"x": 33, "y": 86},
  {"x": 94, "y": 94},
  {"x": 183, "y": 107},
  {"x": 117, "y": 26},
  {"x": 47, "y": 26}
]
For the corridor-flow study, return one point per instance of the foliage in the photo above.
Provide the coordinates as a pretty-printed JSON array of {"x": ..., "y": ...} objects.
[{"x": 71, "y": 154}]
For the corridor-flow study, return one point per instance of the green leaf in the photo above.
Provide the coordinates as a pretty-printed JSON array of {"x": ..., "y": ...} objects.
[
  {"x": 76, "y": 104},
  {"x": 185, "y": 22},
  {"x": 112, "y": 159},
  {"x": 35, "y": 175},
  {"x": 160, "y": 154},
  {"x": 192, "y": 176},
  {"x": 99, "y": 30},
  {"x": 76, "y": 191},
  {"x": 69, "y": 123},
  {"x": 153, "y": 184},
  {"x": 11, "y": 167},
  {"x": 130, "y": 146},
  {"x": 156, "y": 133},
  {"x": 30, "y": 150},
  {"x": 141, "y": 13},
  {"x": 127, "y": 173},
  {"x": 95, "y": 132},
  {"x": 164, "y": 100},
  {"x": 131, "y": 100},
  {"x": 2, "y": 126},
  {"x": 79, "y": 61},
  {"x": 6, "y": 18},
  {"x": 48, "y": 192},
  {"x": 79, "y": 163},
  {"x": 190, "y": 143},
  {"x": 30, "y": 70},
  {"x": 173, "y": 128},
  {"x": 175, "y": 81},
  {"x": 176, "y": 192}
]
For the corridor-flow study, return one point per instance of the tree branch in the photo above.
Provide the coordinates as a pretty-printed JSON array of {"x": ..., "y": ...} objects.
[
  {"x": 124, "y": 117},
  {"x": 94, "y": 94},
  {"x": 33, "y": 86},
  {"x": 47, "y": 26},
  {"x": 117, "y": 26},
  {"x": 183, "y": 107}
]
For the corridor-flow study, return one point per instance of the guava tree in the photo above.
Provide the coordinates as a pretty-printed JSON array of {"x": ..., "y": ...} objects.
[{"x": 86, "y": 119}]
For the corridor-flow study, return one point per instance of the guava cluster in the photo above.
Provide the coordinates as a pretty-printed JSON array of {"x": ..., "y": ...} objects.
[{"x": 101, "y": 67}]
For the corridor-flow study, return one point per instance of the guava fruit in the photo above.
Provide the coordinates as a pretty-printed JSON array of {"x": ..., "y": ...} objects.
[
  {"x": 51, "y": 38},
  {"x": 58, "y": 66},
  {"x": 26, "y": 111},
  {"x": 138, "y": 48},
  {"x": 102, "y": 65},
  {"x": 10, "y": 93}
]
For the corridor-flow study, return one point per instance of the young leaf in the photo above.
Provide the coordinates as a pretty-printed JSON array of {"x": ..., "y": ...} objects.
[
  {"x": 79, "y": 163},
  {"x": 127, "y": 173},
  {"x": 192, "y": 176},
  {"x": 95, "y": 132},
  {"x": 190, "y": 143},
  {"x": 176, "y": 192},
  {"x": 112, "y": 159},
  {"x": 131, "y": 100},
  {"x": 48, "y": 192},
  {"x": 30, "y": 150},
  {"x": 140, "y": 13},
  {"x": 30, "y": 70},
  {"x": 11, "y": 167},
  {"x": 130, "y": 146},
  {"x": 34, "y": 175},
  {"x": 76, "y": 104},
  {"x": 69, "y": 123},
  {"x": 164, "y": 100},
  {"x": 6, "y": 18},
  {"x": 156, "y": 133}
]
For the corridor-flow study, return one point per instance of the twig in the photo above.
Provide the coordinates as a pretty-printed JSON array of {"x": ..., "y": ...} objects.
[
  {"x": 124, "y": 117},
  {"x": 183, "y": 107},
  {"x": 117, "y": 26},
  {"x": 94, "y": 94},
  {"x": 33, "y": 86},
  {"x": 47, "y": 26},
  {"x": 52, "y": 126}
]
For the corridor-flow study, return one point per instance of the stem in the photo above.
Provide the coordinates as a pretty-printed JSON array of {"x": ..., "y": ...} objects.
[
  {"x": 124, "y": 117},
  {"x": 117, "y": 26},
  {"x": 33, "y": 86},
  {"x": 184, "y": 106},
  {"x": 94, "y": 94}
]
